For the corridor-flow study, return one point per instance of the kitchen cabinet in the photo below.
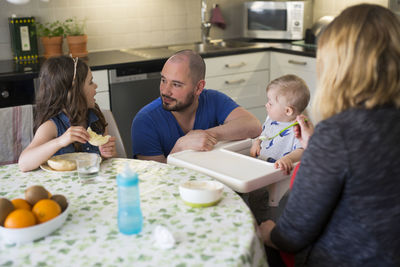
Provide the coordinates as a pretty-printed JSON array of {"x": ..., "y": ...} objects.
[
  {"x": 304, "y": 67},
  {"x": 100, "y": 77},
  {"x": 243, "y": 77}
]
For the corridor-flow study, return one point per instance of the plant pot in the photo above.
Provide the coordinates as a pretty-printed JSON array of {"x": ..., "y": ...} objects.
[
  {"x": 52, "y": 46},
  {"x": 77, "y": 45}
]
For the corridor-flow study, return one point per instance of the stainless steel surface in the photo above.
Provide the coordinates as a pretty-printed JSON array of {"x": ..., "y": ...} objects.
[
  {"x": 214, "y": 45},
  {"x": 130, "y": 90},
  {"x": 205, "y": 25},
  {"x": 266, "y": 20}
]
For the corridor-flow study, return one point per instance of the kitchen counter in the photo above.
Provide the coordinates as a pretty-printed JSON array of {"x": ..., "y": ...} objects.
[{"x": 9, "y": 69}]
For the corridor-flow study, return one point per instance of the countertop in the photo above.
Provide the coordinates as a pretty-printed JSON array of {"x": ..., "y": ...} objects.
[{"x": 11, "y": 70}]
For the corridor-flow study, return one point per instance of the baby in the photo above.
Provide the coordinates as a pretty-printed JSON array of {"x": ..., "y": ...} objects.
[{"x": 287, "y": 97}]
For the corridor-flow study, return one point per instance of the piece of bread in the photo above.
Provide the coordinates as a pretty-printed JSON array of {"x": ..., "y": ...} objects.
[
  {"x": 61, "y": 164},
  {"x": 96, "y": 139}
]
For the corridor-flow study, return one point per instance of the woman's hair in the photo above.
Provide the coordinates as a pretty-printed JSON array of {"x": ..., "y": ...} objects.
[
  {"x": 60, "y": 91},
  {"x": 358, "y": 61},
  {"x": 294, "y": 89}
]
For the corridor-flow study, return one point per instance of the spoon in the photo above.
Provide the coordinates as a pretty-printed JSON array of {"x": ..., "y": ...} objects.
[{"x": 263, "y": 138}]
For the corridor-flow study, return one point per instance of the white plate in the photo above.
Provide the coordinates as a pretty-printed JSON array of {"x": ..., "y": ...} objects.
[
  {"x": 67, "y": 156},
  {"x": 28, "y": 234}
]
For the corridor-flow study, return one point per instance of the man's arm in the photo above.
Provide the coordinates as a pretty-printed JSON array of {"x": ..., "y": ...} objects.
[
  {"x": 159, "y": 158},
  {"x": 240, "y": 124}
]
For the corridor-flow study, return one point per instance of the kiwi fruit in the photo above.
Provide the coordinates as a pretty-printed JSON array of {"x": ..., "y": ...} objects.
[
  {"x": 61, "y": 200},
  {"x": 35, "y": 193},
  {"x": 6, "y": 207}
]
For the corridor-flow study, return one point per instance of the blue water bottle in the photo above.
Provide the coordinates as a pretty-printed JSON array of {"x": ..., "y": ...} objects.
[{"x": 130, "y": 219}]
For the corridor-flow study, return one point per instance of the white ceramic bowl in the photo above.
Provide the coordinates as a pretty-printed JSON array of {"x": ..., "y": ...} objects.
[
  {"x": 28, "y": 234},
  {"x": 201, "y": 193}
]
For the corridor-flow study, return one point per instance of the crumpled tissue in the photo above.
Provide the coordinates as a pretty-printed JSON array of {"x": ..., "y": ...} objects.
[{"x": 163, "y": 237}]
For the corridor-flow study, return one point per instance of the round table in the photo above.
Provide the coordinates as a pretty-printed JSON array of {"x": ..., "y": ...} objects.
[{"x": 222, "y": 235}]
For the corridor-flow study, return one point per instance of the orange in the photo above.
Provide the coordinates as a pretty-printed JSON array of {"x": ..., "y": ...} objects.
[
  {"x": 20, "y": 218},
  {"x": 46, "y": 209},
  {"x": 20, "y": 203}
]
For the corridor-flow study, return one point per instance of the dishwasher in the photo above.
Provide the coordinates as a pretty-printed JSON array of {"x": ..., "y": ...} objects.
[{"x": 131, "y": 88}]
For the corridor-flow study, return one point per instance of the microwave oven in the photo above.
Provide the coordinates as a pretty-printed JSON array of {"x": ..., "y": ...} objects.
[{"x": 276, "y": 20}]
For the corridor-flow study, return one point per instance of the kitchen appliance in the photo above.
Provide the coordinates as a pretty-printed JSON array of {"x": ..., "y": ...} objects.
[
  {"x": 131, "y": 88},
  {"x": 276, "y": 20},
  {"x": 16, "y": 91},
  {"x": 394, "y": 5}
]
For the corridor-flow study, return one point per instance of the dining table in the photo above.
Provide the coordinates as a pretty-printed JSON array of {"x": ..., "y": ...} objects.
[{"x": 222, "y": 235}]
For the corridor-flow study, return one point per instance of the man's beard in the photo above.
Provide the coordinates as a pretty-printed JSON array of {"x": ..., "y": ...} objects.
[{"x": 179, "y": 106}]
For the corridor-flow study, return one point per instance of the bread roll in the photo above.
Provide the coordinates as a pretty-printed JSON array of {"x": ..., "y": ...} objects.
[{"x": 61, "y": 164}]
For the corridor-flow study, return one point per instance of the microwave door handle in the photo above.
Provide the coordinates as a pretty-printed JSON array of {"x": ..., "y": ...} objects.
[
  {"x": 237, "y": 65},
  {"x": 295, "y": 62}
]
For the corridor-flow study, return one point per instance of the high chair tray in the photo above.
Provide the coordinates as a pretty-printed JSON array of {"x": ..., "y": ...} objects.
[{"x": 230, "y": 164}]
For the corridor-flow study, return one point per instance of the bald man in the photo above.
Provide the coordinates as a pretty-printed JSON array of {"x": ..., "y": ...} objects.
[{"x": 187, "y": 116}]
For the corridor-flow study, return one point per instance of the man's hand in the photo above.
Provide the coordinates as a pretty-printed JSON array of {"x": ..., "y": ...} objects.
[{"x": 200, "y": 140}]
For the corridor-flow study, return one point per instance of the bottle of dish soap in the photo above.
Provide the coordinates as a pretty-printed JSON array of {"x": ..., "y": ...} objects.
[{"x": 130, "y": 219}]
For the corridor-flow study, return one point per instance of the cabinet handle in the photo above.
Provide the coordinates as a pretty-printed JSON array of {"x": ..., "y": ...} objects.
[
  {"x": 291, "y": 61},
  {"x": 238, "y": 65},
  {"x": 235, "y": 81}
]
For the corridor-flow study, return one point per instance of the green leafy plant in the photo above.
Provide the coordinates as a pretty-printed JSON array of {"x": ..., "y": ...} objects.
[
  {"x": 74, "y": 26},
  {"x": 50, "y": 29}
]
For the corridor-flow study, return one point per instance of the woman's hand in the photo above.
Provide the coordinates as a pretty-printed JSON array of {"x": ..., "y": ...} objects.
[
  {"x": 265, "y": 229},
  {"x": 73, "y": 134},
  {"x": 304, "y": 130},
  {"x": 108, "y": 150}
]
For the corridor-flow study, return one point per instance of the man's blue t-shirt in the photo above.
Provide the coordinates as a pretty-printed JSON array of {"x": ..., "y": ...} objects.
[{"x": 155, "y": 131}]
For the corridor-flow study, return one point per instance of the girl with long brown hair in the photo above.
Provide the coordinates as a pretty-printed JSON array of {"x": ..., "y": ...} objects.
[{"x": 65, "y": 108}]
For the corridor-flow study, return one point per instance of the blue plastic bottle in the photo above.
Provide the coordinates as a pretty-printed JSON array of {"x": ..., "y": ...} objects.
[{"x": 130, "y": 219}]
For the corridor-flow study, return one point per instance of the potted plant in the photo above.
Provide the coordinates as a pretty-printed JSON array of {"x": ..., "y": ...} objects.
[
  {"x": 76, "y": 37},
  {"x": 51, "y": 34}
]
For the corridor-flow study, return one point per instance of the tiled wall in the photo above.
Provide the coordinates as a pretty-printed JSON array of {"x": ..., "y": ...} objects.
[
  {"x": 116, "y": 24},
  {"x": 333, "y": 8}
]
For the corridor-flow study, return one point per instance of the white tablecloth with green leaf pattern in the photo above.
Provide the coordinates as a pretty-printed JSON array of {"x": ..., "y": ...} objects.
[{"x": 223, "y": 235}]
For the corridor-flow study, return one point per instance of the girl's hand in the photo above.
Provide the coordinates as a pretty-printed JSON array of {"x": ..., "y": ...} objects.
[
  {"x": 73, "y": 134},
  {"x": 304, "y": 130},
  {"x": 108, "y": 150}
]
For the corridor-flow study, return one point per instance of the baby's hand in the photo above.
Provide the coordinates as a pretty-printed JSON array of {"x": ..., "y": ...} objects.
[
  {"x": 255, "y": 148},
  {"x": 285, "y": 164}
]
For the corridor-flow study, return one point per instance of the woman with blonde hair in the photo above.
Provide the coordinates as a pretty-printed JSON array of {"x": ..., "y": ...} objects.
[{"x": 344, "y": 207}]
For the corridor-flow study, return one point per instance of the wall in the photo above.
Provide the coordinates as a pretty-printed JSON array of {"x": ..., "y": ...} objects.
[
  {"x": 333, "y": 8},
  {"x": 117, "y": 24}
]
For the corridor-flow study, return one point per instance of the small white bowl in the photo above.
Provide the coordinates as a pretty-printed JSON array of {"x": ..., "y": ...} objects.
[
  {"x": 28, "y": 234},
  {"x": 201, "y": 193}
]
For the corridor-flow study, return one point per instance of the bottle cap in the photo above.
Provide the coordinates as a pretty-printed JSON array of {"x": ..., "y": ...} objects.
[{"x": 127, "y": 177}]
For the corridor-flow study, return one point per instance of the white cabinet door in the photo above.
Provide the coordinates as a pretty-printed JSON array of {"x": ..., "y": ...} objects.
[
  {"x": 242, "y": 77},
  {"x": 304, "y": 67},
  {"x": 218, "y": 66},
  {"x": 100, "y": 77},
  {"x": 247, "y": 89}
]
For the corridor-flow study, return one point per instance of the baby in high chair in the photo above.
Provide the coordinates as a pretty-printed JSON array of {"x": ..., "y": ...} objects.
[{"x": 287, "y": 97}]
